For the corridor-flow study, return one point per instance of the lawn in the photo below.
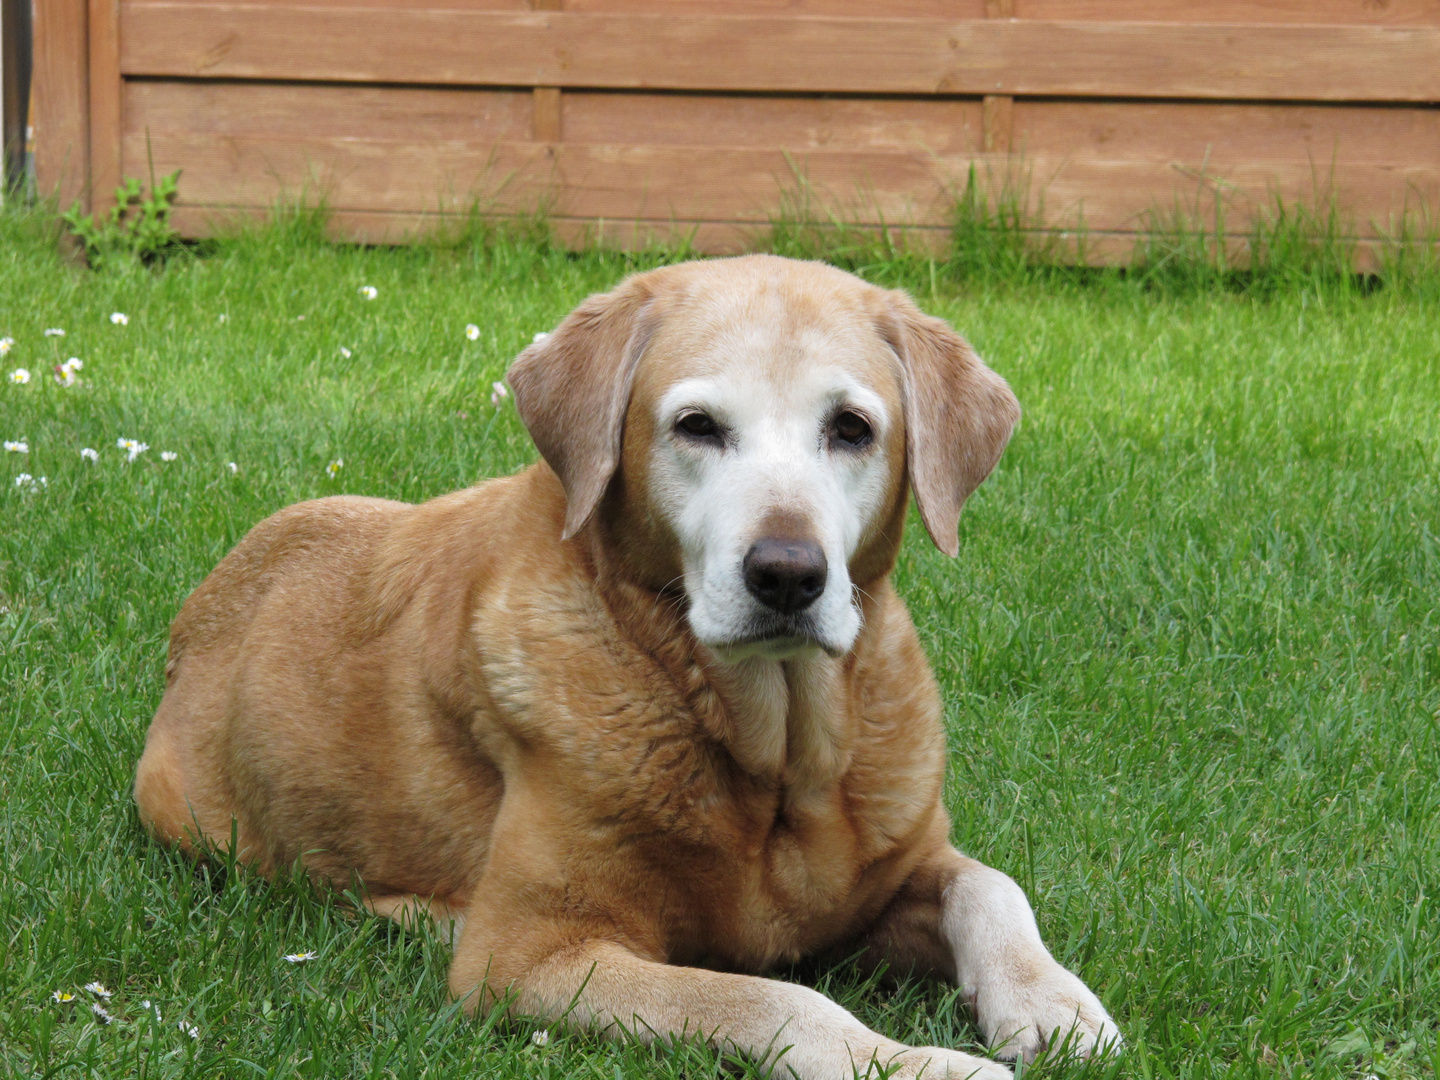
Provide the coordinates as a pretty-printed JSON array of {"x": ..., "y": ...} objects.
[{"x": 1190, "y": 654}]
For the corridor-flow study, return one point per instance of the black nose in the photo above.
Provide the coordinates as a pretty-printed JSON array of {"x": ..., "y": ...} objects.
[{"x": 786, "y": 575}]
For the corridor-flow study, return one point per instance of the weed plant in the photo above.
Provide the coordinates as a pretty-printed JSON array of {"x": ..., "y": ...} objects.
[{"x": 1190, "y": 651}]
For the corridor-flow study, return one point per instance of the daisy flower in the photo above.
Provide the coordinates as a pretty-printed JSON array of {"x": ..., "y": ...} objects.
[
  {"x": 346, "y": 353},
  {"x": 188, "y": 1029},
  {"x": 119, "y": 318},
  {"x": 232, "y": 467},
  {"x": 18, "y": 446},
  {"x": 54, "y": 331},
  {"x": 20, "y": 376},
  {"x": 61, "y": 997},
  {"x": 541, "y": 1037},
  {"x": 369, "y": 292},
  {"x": 151, "y": 1009},
  {"x": 90, "y": 454},
  {"x": 335, "y": 466},
  {"x": 132, "y": 447},
  {"x": 22, "y": 479},
  {"x": 472, "y": 331},
  {"x": 65, "y": 373},
  {"x": 299, "y": 957},
  {"x": 498, "y": 393},
  {"x": 168, "y": 455},
  {"x": 6, "y": 344},
  {"x": 541, "y": 336},
  {"x": 101, "y": 1013},
  {"x": 98, "y": 989}
]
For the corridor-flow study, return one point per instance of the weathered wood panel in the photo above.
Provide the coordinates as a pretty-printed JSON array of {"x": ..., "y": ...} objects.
[
  {"x": 630, "y": 121},
  {"x": 1218, "y": 135},
  {"x": 62, "y": 99},
  {"x": 741, "y": 184},
  {"x": 104, "y": 84},
  {"x": 790, "y": 54}
]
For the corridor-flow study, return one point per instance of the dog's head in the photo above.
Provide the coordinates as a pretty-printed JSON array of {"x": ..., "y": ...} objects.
[{"x": 747, "y": 427}]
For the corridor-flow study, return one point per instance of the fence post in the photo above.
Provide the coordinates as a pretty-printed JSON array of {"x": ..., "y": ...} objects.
[
  {"x": 62, "y": 101},
  {"x": 104, "y": 103},
  {"x": 997, "y": 109},
  {"x": 545, "y": 115}
]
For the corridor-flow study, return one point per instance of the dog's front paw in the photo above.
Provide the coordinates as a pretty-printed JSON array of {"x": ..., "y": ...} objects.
[{"x": 1038, "y": 1007}]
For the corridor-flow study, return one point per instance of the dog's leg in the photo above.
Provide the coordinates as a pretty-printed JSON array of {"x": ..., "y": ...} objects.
[
  {"x": 959, "y": 918},
  {"x": 604, "y": 985}
]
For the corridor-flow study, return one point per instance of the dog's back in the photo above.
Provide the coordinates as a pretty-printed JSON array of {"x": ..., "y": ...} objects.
[{"x": 280, "y": 657}]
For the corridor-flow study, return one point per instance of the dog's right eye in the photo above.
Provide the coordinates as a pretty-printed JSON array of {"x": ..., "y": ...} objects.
[{"x": 698, "y": 426}]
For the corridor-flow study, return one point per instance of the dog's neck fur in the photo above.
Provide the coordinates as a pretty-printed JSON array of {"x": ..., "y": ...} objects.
[{"x": 783, "y": 722}]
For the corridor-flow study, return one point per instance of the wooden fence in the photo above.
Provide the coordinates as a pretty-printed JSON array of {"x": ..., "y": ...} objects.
[{"x": 629, "y": 120}]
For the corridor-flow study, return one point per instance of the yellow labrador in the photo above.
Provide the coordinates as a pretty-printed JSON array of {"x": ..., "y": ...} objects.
[{"x": 648, "y": 717}]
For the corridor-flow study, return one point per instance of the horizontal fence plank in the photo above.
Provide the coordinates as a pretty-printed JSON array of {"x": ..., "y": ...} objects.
[
  {"x": 749, "y": 185},
  {"x": 1336, "y": 12},
  {"x": 1340, "y": 12},
  {"x": 1219, "y": 133},
  {"x": 222, "y": 107},
  {"x": 1224, "y": 134},
  {"x": 417, "y": 114},
  {"x": 791, "y": 54}
]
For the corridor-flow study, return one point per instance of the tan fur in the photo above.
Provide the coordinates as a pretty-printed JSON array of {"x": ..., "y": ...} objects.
[{"x": 519, "y": 734}]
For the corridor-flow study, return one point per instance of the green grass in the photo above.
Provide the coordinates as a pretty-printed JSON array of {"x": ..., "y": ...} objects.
[{"x": 1190, "y": 652}]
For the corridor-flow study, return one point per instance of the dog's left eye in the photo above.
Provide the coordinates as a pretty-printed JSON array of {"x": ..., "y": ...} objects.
[{"x": 850, "y": 428}]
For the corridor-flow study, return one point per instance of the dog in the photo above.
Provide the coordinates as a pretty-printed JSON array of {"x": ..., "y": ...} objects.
[{"x": 646, "y": 719}]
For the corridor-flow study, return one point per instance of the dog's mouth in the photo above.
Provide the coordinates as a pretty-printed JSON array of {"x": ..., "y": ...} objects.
[{"x": 774, "y": 638}]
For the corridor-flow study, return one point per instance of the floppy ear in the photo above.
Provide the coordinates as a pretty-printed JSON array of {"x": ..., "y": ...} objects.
[
  {"x": 572, "y": 389},
  {"x": 958, "y": 416}
]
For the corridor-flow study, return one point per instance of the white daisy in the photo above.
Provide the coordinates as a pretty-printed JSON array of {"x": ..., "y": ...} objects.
[
  {"x": 188, "y": 1029},
  {"x": 151, "y": 1009},
  {"x": 541, "y": 1037},
  {"x": 168, "y": 455},
  {"x": 369, "y": 292},
  {"x": 232, "y": 467},
  {"x": 541, "y": 336},
  {"x": 23, "y": 478},
  {"x": 498, "y": 393},
  {"x": 132, "y": 447},
  {"x": 6, "y": 344},
  {"x": 299, "y": 957},
  {"x": 61, "y": 997},
  {"x": 18, "y": 446},
  {"x": 101, "y": 1013},
  {"x": 472, "y": 331},
  {"x": 65, "y": 373},
  {"x": 335, "y": 466},
  {"x": 90, "y": 454},
  {"x": 98, "y": 989},
  {"x": 54, "y": 331},
  {"x": 119, "y": 318},
  {"x": 346, "y": 353},
  {"x": 20, "y": 376}
]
